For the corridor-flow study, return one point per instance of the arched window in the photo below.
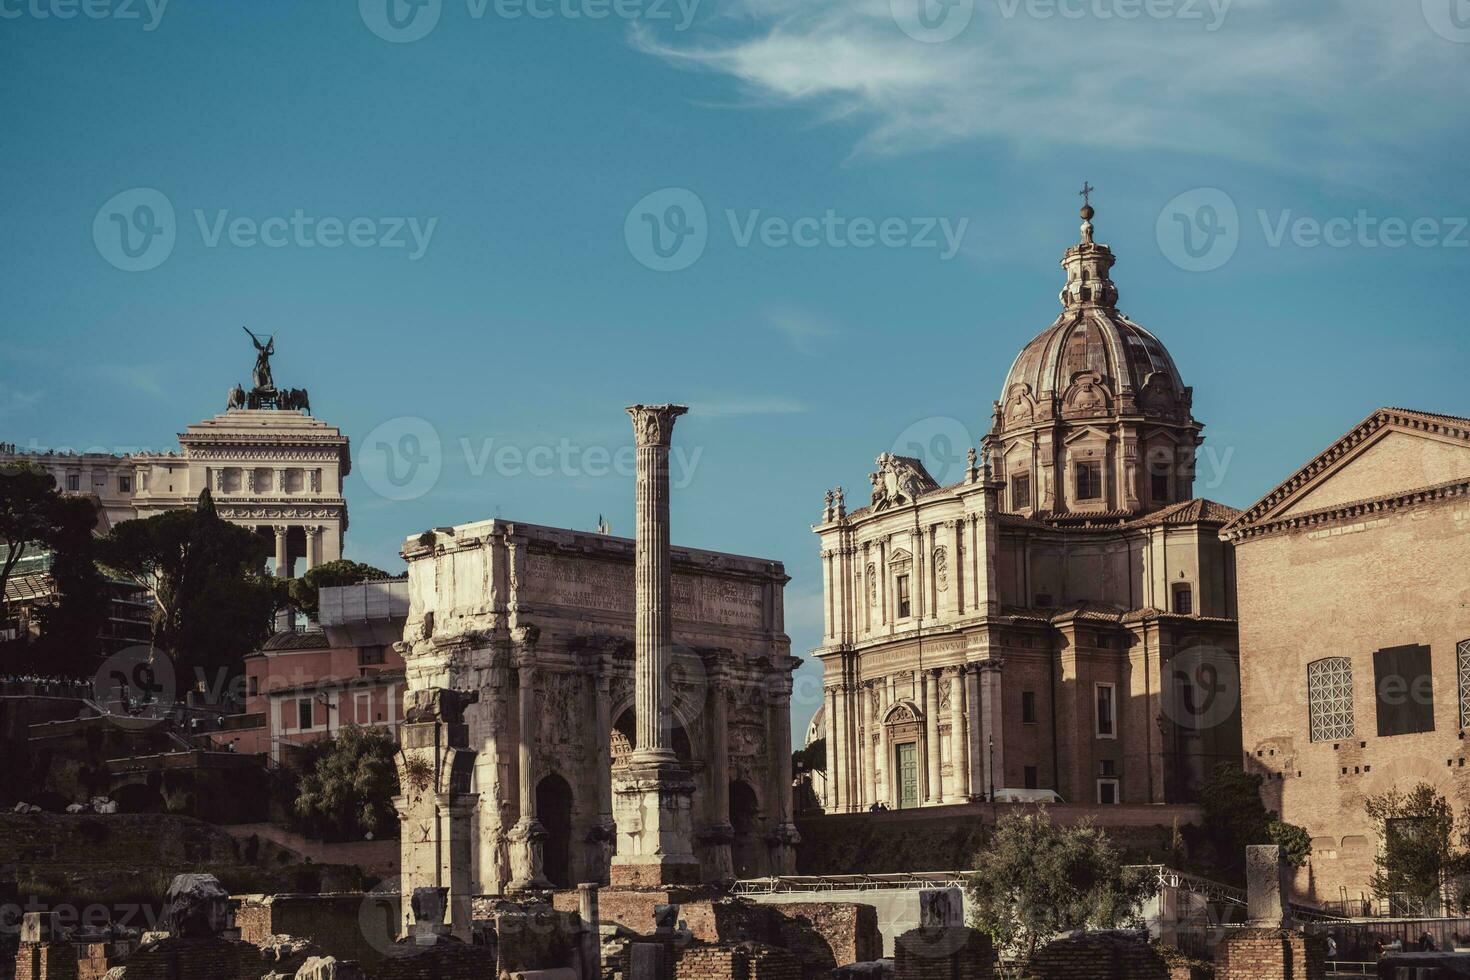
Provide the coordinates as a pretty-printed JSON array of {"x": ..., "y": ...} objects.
[
  {"x": 1330, "y": 699},
  {"x": 1462, "y": 673}
]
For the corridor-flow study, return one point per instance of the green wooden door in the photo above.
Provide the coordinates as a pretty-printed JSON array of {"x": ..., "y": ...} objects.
[{"x": 908, "y": 775}]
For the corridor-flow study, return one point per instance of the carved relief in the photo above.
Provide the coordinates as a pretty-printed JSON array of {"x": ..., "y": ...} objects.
[
  {"x": 1088, "y": 395},
  {"x": 1020, "y": 407},
  {"x": 899, "y": 480},
  {"x": 872, "y": 585},
  {"x": 941, "y": 569}
]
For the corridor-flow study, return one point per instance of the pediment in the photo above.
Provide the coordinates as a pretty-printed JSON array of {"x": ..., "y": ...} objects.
[
  {"x": 1086, "y": 432},
  {"x": 1390, "y": 453}
]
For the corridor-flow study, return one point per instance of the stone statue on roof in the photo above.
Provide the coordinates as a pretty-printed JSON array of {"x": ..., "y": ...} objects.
[{"x": 262, "y": 373}]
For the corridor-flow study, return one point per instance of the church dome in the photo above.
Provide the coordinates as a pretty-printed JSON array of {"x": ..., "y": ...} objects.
[
  {"x": 1094, "y": 418},
  {"x": 1092, "y": 361}
]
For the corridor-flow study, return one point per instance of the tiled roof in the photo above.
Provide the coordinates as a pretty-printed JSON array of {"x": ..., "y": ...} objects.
[
  {"x": 292, "y": 640},
  {"x": 1196, "y": 511}
]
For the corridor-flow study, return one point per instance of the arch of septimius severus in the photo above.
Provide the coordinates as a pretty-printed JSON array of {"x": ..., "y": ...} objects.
[{"x": 590, "y": 708}]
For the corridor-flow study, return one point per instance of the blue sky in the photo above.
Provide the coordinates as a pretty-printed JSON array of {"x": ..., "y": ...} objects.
[{"x": 448, "y": 215}]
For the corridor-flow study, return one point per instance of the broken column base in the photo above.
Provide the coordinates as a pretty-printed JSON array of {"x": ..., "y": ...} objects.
[
  {"x": 1277, "y": 954},
  {"x": 654, "y": 806}
]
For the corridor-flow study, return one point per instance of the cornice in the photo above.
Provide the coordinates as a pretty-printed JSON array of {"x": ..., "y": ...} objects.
[
  {"x": 1344, "y": 513},
  {"x": 1441, "y": 425}
]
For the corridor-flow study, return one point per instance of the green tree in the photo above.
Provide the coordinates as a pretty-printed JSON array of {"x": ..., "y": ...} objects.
[
  {"x": 1235, "y": 817},
  {"x": 34, "y": 514},
  {"x": 1034, "y": 880},
  {"x": 214, "y": 600},
  {"x": 1419, "y": 848},
  {"x": 304, "y": 592},
  {"x": 347, "y": 791},
  {"x": 812, "y": 758}
]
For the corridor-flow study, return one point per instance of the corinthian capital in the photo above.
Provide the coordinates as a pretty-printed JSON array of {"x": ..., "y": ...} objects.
[
  {"x": 653, "y": 425},
  {"x": 525, "y": 636}
]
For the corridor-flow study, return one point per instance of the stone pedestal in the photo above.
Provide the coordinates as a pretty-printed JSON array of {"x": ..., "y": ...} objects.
[
  {"x": 654, "y": 806},
  {"x": 435, "y": 807}
]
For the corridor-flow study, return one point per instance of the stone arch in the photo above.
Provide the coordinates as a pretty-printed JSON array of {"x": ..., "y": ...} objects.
[
  {"x": 554, "y": 810},
  {"x": 745, "y": 820},
  {"x": 902, "y": 712}
]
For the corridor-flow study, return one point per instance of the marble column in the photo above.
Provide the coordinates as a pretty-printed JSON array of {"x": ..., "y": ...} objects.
[
  {"x": 313, "y": 546},
  {"x": 931, "y": 736},
  {"x": 885, "y": 792},
  {"x": 284, "y": 618},
  {"x": 994, "y": 728},
  {"x": 528, "y": 836},
  {"x": 607, "y": 827},
  {"x": 973, "y": 712},
  {"x": 785, "y": 839},
  {"x": 719, "y": 834},
  {"x": 841, "y": 798},
  {"x": 656, "y": 794},
  {"x": 959, "y": 786},
  {"x": 865, "y": 700}
]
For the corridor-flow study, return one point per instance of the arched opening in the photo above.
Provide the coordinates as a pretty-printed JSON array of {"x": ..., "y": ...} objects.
[
  {"x": 554, "y": 810},
  {"x": 624, "y": 740},
  {"x": 745, "y": 850},
  {"x": 138, "y": 798}
]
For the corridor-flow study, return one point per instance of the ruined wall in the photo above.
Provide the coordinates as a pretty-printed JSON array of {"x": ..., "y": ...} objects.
[
  {"x": 1099, "y": 958},
  {"x": 1271, "y": 954},
  {"x": 747, "y": 961},
  {"x": 947, "y": 838}
]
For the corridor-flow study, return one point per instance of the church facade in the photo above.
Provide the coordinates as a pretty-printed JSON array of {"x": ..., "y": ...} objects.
[{"x": 1059, "y": 624}]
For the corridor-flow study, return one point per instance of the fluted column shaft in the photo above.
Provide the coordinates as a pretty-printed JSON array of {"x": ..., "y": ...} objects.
[
  {"x": 960, "y": 783},
  {"x": 653, "y": 427}
]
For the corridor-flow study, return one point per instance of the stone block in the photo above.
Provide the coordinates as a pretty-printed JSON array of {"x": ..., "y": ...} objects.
[
  {"x": 1267, "y": 885},
  {"x": 941, "y": 908},
  {"x": 39, "y": 927}
]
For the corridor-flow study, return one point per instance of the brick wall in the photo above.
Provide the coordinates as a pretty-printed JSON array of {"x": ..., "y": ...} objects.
[
  {"x": 446, "y": 960},
  {"x": 195, "y": 959},
  {"x": 825, "y": 935},
  {"x": 743, "y": 961},
  {"x": 1301, "y": 598},
  {"x": 1099, "y": 958},
  {"x": 46, "y": 961},
  {"x": 955, "y": 953},
  {"x": 1271, "y": 954},
  {"x": 349, "y": 925}
]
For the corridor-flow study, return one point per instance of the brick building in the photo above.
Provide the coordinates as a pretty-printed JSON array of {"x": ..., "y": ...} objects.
[
  {"x": 1354, "y": 601},
  {"x": 304, "y": 686},
  {"x": 1058, "y": 623}
]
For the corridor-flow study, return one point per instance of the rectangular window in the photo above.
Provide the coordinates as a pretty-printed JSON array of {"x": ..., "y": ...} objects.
[
  {"x": 73, "y": 481},
  {"x": 304, "y": 714},
  {"x": 370, "y": 656},
  {"x": 124, "y": 484},
  {"x": 1089, "y": 480},
  {"x": 903, "y": 597},
  {"x": 1107, "y": 792},
  {"x": 1021, "y": 491},
  {"x": 1159, "y": 487},
  {"x": 1028, "y": 775},
  {"x": 1028, "y": 707},
  {"x": 1106, "y": 724},
  {"x": 253, "y": 687},
  {"x": 1184, "y": 600},
  {"x": 1404, "y": 689}
]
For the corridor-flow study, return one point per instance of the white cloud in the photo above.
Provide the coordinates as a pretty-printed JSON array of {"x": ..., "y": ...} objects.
[
  {"x": 1274, "y": 82},
  {"x": 803, "y": 331}
]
